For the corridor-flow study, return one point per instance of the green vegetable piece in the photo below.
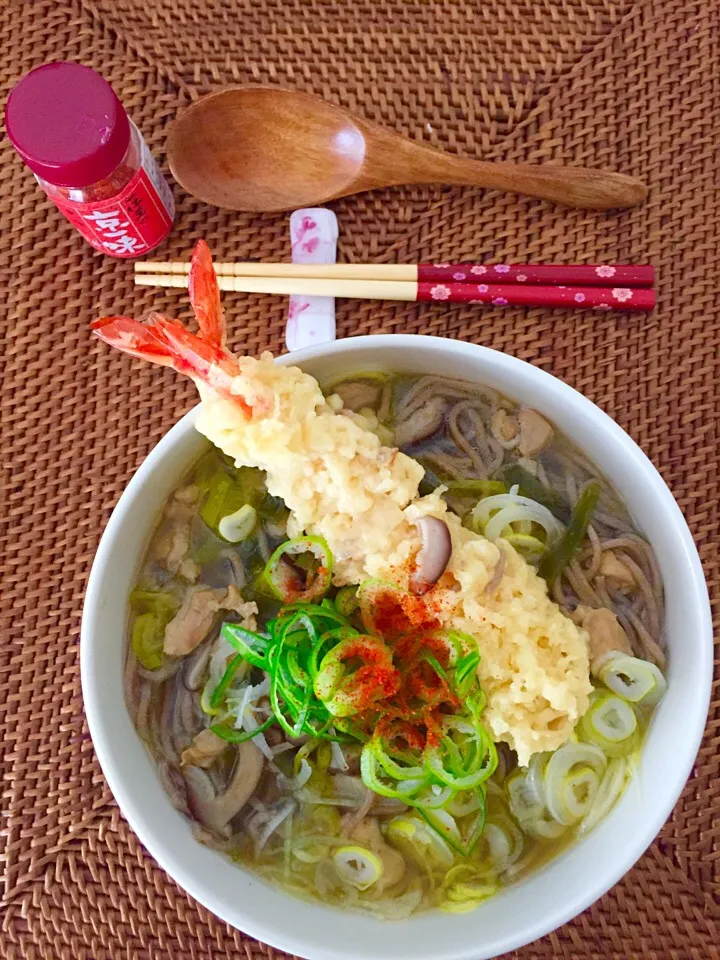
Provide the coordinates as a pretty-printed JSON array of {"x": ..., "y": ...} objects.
[
  {"x": 153, "y": 601},
  {"x": 154, "y": 611},
  {"x": 213, "y": 507},
  {"x": 240, "y": 736},
  {"x": 346, "y": 601},
  {"x": 218, "y": 694},
  {"x": 251, "y": 646},
  {"x": 568, "y": 545},
  {"x": 430, "y": 481},
  {"x": 531, "y": 487},
  {"x": 477, "y": 489},
  {"x": 283, "y": 572},
  {"x": 148, "y": 634}
]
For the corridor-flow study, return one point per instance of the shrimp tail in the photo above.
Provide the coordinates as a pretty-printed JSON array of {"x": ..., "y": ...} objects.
[
  {"x": 203, "y": 357},
  {"x": 167, "y": 342},
  {"x": 205, "y": 296}
]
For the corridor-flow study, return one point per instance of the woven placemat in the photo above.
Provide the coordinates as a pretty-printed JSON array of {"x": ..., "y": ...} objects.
[{"x": 630, "y": 85}]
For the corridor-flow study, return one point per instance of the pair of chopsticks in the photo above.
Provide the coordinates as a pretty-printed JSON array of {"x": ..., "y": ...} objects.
[{"x": 602, "y": 287}]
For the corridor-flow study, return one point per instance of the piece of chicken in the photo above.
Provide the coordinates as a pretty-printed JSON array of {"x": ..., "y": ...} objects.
[{"x": 605, "y": 634}]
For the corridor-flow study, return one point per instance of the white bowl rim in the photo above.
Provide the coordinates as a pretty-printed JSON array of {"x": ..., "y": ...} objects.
[{"x": 579, "y": 898}]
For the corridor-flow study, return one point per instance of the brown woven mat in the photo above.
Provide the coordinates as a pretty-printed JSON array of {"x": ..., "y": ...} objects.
[{"x": 632, "y": 85}]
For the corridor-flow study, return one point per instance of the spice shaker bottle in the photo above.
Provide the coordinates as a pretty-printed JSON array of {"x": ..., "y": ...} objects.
[{"x": 71, "y": 130}]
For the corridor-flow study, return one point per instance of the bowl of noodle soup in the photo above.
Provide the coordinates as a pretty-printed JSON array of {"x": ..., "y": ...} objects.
[{"x": 675, "y": 607}]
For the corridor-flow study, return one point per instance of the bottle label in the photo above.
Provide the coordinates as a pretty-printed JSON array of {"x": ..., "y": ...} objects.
[{"x": 132, "y": 222}]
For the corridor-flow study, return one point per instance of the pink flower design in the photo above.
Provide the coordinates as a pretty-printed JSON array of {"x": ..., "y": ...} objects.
[
  {"x": 603, "y": 306},
  {"x": 622, "y": 294},
  {"x": 500, "y": 301},
  {"x": 521, "y": 278},
  {"x": 579, "y": 298},
  {"x": 475, "y": 301},
  {"x": 459, "y": 276},
  {"x": 482, "y": 288},
  {"x": 478, "y": 271},
  {"x": 501, "y": 268},
  {"x": 439, "y": 292},
  {"x": 442, "y": 266},
  {"x": 605, "y": 271}
]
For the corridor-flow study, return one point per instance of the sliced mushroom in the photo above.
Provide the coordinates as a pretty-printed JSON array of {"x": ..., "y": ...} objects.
[
  {"x": 367, "y": 833},
  {"x": 358, "y": 393},
  {"x": 422, "y": 424},
  {"x": 204, "y": 750},
  {"x": 535, "y": 432},
  {"x": 195, "y": 667},
  {"x": 616, "y": 573},
  {"x": 173, "y": 785},
  {"x": 213, "y": 810},
  {"x": 434, "y": 554},
  {"x": 505, "y": 428},
  {"x": 605, "y": 634}
]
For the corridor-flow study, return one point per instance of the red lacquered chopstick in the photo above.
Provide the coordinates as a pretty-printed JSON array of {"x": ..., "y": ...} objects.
[
  {"x": 499, "y": 294},
  {"x": 545, "y": 274},
  {"x": 517, "y": 294}
]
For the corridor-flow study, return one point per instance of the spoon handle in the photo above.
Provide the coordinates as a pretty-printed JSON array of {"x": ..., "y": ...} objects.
[
  {"x": 396, "y": 160},
  {"x": 572, "y": 186}
]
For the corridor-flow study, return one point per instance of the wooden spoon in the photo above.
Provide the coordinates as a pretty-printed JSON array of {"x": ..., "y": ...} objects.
[{"x": 267, "y": 149}]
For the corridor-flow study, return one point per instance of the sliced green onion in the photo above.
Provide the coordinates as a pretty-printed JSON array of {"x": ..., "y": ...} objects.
[
  {"x": 525, "y": 802},
  {"x": 416, "y": 838},
  {"x": 530, "y": 486},
  {"x": 494, "y": 516},
  {"x": 346, "y": 691},
  {"x": 375, "y": 778},
  {"x": 562, "y": 552},
  {"x": 528, "y": 546},
  {"x": 369, "y": 593},
  {"x": 504, "y": 842},
  {"x": 543, "y": 827},
  {"x": 281, "y": 576},
  {"x": 358, "y": 866},
  {"x": 240, "y": 736},
  {"x": 569, "y": 790},
  {"x": 611, "y": 724},
  {"x": 346, "y": 601},
  {"x": 465, "y": 756},
  {"x": 446, "y": 826},
  {"x": 465, "y": 676},
  {"x": 461, "y": 833},
  {"x": 610, "y": 789},
  {"x": 464, "y": 802},
  {"x": 637, "y": 681},
  {"x": 251, "y": 646},
  {"x": 218, "y": 694},
  {"x": 235, "y": 527}
]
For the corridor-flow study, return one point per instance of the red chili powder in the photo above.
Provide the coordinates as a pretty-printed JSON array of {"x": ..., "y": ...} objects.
[{"x": 420, "y": 697}]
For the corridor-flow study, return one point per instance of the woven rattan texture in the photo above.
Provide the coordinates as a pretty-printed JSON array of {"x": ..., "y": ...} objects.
[{"x": 632, "y": 85}]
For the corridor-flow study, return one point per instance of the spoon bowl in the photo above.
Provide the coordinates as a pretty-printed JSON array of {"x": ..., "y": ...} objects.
[
  {"x": 251, "y": 148},
  {"x": 259, "y": 148}
]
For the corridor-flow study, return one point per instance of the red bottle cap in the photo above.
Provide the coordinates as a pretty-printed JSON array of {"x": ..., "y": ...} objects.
[{"x": 67, "y": 124}]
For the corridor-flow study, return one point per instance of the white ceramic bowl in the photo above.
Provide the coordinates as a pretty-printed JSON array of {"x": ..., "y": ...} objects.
[{"x": 520, "y": 913}]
